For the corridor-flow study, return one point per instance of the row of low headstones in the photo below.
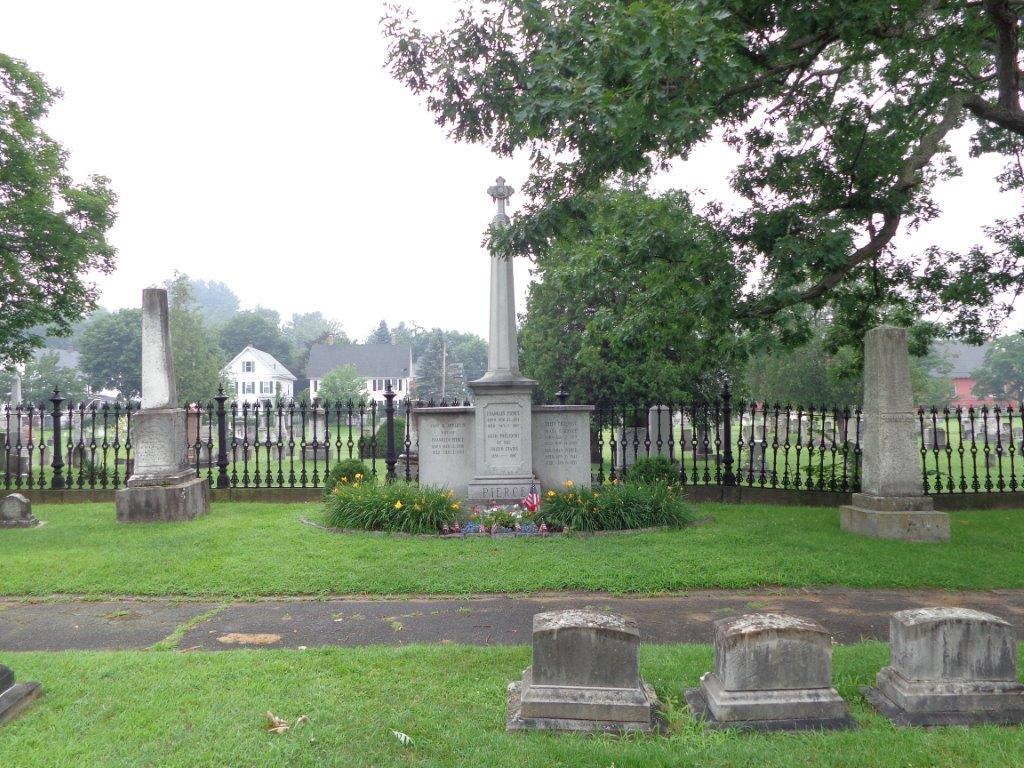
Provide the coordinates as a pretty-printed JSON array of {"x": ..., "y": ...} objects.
[{"x": 949, "y": 666}]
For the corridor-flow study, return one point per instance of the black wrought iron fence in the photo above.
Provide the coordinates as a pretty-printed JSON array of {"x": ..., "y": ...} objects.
[
  {"x": 238, "y": 445},
  {"x": 972, "y": 449},
  {"x": 750, "y": 444}
]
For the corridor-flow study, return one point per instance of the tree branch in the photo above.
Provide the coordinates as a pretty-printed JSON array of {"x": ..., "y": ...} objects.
[{"x": 906, "y": 180}]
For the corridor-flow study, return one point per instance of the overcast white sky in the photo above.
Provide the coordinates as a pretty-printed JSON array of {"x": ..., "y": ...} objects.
[{"x": 263, "y": 145}]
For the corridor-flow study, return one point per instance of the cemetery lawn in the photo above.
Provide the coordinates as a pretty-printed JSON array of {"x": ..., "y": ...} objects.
[
  {"x": 251, "y": 549},
  {"x": 193, "y": 710}
]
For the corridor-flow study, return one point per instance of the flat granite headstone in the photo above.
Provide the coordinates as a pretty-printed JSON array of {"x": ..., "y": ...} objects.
[
  {"x": 585, "y": 677},
  {"x": 16, "y": 512},
  {"x": 950, "y": 666},
  {"x": 892, "y": 503},
  {"x": 15, "y": 698},
  {"x": 773, "y": 672}
]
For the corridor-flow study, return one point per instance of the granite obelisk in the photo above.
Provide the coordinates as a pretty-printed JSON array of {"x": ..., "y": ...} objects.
[
  {"x": 163, "y": 486},
  {"x": 892, "y": 503},
  {"x": 502, "y": 396}
]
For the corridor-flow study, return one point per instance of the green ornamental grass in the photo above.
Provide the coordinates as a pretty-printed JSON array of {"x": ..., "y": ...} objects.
[
  {"x": 396, "y": 507},
  {"x": 616, "y": 507}
]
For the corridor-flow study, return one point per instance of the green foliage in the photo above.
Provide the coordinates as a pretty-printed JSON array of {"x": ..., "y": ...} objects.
[
  {"x": 616, "y": 507},
  {"x": 633, "y": 302},
  {"x": 341, "y": 385},
  {"x": 345, "y": 472},
  {"x": 381, "y": 446},
  {"x": 380, "y": 334},
  {"x": 198, "y": 361},
  {"x": 215, "y": 301},
  {"x": 41, "y": 374},
  {"x": 653, "y": 469},
  {"x": 309, "y": 328},
  {"x": 439, "y": 372},
  {"x": 396, "y": 507},
  {"x": 111, "y": 352},
  {"x": 261, "y": 328},
  {"x": 1002, "y": 372},
  {"x": 52, "y": 229},
  {"x": 839, "y": 114}
]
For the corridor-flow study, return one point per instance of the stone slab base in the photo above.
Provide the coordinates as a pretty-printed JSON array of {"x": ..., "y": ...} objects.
[
  {"x": 29, "y": 523},
  {"x": 516, "y": 722},
  {"x": 701, "y": 711},
  {"x": 908, "y": 525},
  {"x": 898, "y": 716},
  {"x": 170, "y": 503},
  {"x": 500, "y": 490},
  {"x": 17, "y": 699}
]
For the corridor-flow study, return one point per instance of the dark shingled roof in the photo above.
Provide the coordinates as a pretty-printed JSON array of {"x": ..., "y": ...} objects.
[
  {"x": 385, "y": 360},
  {"x": 963, "y": 359}
]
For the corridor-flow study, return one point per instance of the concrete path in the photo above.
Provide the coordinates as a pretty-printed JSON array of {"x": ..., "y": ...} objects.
[{"x": 851, "y": 615}]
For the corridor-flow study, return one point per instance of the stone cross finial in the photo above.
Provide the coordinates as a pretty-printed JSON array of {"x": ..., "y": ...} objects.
[{"x": 500, "y": 193}]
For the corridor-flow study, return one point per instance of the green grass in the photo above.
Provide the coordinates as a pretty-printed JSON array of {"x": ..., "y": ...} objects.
[
  {"x": 263, "y": 549},
  {"x": 194, "y": 710}
]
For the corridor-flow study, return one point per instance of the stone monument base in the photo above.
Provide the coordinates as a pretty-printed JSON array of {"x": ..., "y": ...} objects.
[
  {"x": 946, "y": 702},
  {"x": 797, "y": 709},
  {"x": 500, "y": 490},
  {"x": 587, "y": 710},
  {"x": 15, "y": 698},
  {"x": 911, "y": 518},
  {"x": 177, "y": 502}
]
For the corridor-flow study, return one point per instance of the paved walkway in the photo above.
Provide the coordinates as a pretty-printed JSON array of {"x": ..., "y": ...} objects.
[{"x": 851, "y": 615}]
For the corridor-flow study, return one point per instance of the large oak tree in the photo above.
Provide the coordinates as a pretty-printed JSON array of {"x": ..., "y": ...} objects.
[
  {"x": 52, "y": 228},
  {"x": 840, "y": 112}
]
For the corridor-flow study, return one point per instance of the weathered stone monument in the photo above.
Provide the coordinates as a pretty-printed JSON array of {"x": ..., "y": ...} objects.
[
  {"x": 15, "y": 698},
  {"x": 585, "y": 677},
  {"x": 891, "y": 504},
  {"x": 773, "y": 672},
  {"x": 950, "y": 666},
  {"x": 16, "y": 512},
  {"x": 162, "y": 486},
  {"x": 493, "y": 451}
]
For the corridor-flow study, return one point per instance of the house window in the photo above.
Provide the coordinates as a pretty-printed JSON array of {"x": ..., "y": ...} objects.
[
  {"x": 316, "y": 385},
  {"x": 236, "y": 387},
  {"x": 266, "y": 387},
  {"x": 376, "y": 385},
  {"x": 248, "y": 387},
  {"x": 248, "y": 366}
]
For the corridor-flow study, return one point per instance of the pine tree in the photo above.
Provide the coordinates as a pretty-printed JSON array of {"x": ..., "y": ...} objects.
[{"x": 381, "y": 335}]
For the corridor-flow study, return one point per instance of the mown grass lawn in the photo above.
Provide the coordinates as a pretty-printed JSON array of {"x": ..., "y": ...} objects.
[
  {"x": 246, "y": 550},
  {"x": 195, "y": 710}
]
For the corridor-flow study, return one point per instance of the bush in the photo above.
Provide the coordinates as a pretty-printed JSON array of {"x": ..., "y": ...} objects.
[
  {"x": 616, "y": 507},
  {"x": 382, "y": 438},
  {"x": 397, "y": 507},
  {"x": 347, "y": 469},
  {"x": 654, "y": 469}
]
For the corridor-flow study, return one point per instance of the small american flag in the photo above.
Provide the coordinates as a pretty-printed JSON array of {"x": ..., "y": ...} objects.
[{"x": 532, "y": 500}]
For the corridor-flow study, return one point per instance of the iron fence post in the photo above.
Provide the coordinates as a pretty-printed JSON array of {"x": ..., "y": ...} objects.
[
  {"x": 390, "y": 459},
  {"x": 57, "y": 481},
  {"x": 223, "y": 481},
  {"x": 728, "y": 478}
]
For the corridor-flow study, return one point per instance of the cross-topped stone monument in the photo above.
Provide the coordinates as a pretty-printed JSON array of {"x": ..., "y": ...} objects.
[
  {"x": 162, "y": 486},
  {"x": 502, "y": 396},
  {"x": 493, "y": 451}
]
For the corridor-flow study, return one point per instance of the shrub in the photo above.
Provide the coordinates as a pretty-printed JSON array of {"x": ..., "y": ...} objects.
[
  {"x": 654, "y": 469},
  {"x": 396, "y": 507},
  {"x": 616, "y": 507},
  {"x": 347, "y": 469},
  {"x": 382, "y": 438}
]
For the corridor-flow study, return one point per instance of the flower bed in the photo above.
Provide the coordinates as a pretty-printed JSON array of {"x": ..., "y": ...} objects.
[{"x": 407, "y": 508}]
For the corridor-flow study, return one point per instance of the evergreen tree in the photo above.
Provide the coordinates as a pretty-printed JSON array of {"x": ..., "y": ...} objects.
[
  {"x": 197, "y": 359},
  {"x": 439, "y": 374},
  {"x": 380, "y": 335}
]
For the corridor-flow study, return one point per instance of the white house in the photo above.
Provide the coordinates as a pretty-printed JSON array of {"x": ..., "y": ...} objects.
[
  {"x": 259, "y": 377},
  {"x": 377, "y": 364}
]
